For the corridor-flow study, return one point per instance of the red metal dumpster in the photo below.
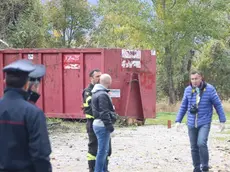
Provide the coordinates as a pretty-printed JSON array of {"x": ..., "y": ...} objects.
[{"x": 133, "y": 73}]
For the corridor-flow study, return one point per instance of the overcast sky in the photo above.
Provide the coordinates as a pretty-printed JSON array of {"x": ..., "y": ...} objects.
[{"x": 93, "y": 1}]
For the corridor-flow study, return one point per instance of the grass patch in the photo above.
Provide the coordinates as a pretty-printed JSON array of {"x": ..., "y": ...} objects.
[
  {"x": 76, "y": 126},
  {"x": 226, "y": 131},
  {"x": 216, "y": 118},
  {"x": 222, "y": 138},
  {"x": 163, "y": 117},
  {"x": 53, "y": 120},
  {"x": 62, "y": 125}
]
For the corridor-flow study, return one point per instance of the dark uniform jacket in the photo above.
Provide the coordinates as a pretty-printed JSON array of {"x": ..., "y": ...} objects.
[
  {"x": 25, "y": 145},
  {"x": 87, "y": 96}
]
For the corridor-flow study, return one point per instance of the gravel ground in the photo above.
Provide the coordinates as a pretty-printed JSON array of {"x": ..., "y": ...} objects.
[{"x": 150, "y": 148}]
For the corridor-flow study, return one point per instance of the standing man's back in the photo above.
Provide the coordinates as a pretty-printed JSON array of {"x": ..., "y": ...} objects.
[
  {"x": 103, "y": 111},
  {"x": 25, "y": 145}
]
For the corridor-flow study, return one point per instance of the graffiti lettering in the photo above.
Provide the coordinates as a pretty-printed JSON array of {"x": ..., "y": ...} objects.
[
  {"x": 72, "y": 61},
  {"x": 131, "y": 64},
  {"x": 71, "y": 58}
]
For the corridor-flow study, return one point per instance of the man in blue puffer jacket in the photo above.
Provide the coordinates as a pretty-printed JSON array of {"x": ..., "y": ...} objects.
[{"x": 198, "y": 101}]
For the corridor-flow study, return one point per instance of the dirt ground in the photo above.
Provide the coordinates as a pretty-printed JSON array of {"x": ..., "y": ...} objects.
[{"x": 151, "y": 148}]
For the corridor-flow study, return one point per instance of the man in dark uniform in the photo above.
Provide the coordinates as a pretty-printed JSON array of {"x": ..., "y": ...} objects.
[
  {"x": 25, "y": 145},
  {"x": 87, "y": 95}
]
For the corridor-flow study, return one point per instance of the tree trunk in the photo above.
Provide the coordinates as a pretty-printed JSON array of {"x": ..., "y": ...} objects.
[
  {"x": 169, "y": 71},
  {"x": 64, "y": 38},
  {"x": 185, "y": 70}
]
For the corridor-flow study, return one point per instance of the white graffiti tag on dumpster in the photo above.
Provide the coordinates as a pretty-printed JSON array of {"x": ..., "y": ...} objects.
[
  {"x": 131, "y": 59},
  {"x": 130, "y": 64},
  {"x": 72, "y": 61}
]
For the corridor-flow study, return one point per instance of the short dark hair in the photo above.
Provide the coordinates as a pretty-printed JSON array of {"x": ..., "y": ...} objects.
[
  {"x": 16, "y": 79},
  {"x": 193, "y": 72},
  {"x": 92, "y": 72}
]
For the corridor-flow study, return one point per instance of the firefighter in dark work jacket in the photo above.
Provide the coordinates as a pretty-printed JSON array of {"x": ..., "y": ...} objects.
[
  {"x": 94, "y": 76},
  {"x": 92, "y": 145},
  {"x": 25, "y": 145}
]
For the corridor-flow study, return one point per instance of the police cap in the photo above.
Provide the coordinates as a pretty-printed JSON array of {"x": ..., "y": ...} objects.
[
  {"x": 38, "y": 73},
  {"x": 21, "y": 66}
]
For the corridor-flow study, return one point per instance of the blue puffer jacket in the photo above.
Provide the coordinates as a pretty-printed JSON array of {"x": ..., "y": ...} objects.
[{"x": 209, "y": 98}]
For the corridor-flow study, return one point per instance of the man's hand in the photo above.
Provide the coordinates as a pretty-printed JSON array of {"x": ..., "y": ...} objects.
[
  {"x": 110, "y": 128},
  {"x": 35, "y": 88},
  {"x": 222, "y": 126},
  {"x": 177, "y": 126}
]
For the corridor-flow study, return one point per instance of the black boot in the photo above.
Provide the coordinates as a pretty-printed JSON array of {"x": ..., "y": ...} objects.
[
  {"x": 205, "y": 169},
  {"x": 91, "y": 165},
  {"x": 106, "y": 166},
  {"x": 197, "y": 170}
]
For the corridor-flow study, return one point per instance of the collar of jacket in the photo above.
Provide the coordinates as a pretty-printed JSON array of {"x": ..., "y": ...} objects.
[
  {"x": 91, "y": 86},
  {"x": 16, "y": 93},
  {"x": 202, "y": 87}
]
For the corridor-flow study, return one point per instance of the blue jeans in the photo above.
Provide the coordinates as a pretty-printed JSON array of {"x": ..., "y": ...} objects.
[
  {"x": 103, "y": 138},
  {"x": 198, "y": 141}
]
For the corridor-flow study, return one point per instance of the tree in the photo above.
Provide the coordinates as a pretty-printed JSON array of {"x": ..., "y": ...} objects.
[
  {"x": 123, "y": 24},
  {"x": 29, "y": 29},
  {"x": 21, "y": 23},
  {"x": 214, "y": 61},
  {"x": 9, "y": 13},
  {"x": 183, "y": 25},
  {"x": 174, "y": 28},
  {"x": 70, "y": 22}
]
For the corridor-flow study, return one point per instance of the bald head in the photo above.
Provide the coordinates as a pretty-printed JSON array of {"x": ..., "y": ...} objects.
[{"x": 105, "y": 80}]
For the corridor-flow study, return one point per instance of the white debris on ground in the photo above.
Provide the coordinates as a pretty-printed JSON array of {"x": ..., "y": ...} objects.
[{"x": 150, "y": 148}]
